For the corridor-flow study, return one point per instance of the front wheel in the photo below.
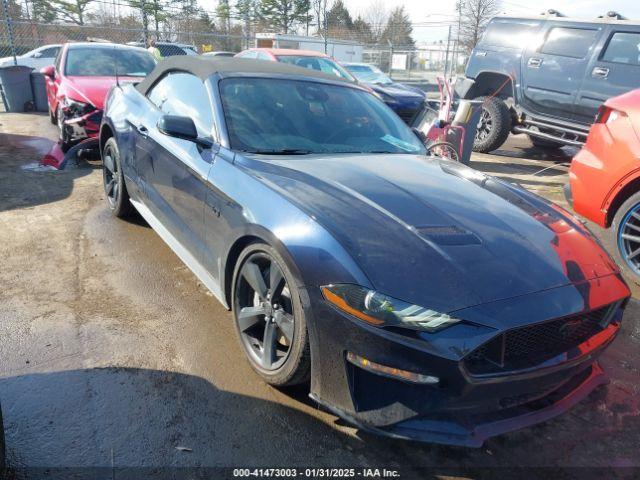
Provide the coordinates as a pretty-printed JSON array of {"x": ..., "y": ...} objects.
[
  {"x": 625, "y": 232},
  {"x": 269, "y": 318},
  {"x": 494, "y": 125},
  {"x": 113, "y": 180},
  {"x": 444, "y": 150}
]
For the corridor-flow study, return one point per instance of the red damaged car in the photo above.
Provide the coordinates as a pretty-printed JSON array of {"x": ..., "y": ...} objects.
[
  {"x": 78, "y": 83},
  {"x": 605, "y": 176}
]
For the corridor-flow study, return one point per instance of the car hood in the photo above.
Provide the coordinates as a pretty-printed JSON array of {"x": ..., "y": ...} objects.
[
  {"x": 397, "y": 90},
  {"x": 436, "y": 233},
  {"x": 93, "y": 89}
]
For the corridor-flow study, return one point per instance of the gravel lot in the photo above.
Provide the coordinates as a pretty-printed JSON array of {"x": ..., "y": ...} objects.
[{"x": 113, "y": 355}]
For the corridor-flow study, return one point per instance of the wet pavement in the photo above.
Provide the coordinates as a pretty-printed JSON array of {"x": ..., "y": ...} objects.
[{"x": 114, "y": 355}]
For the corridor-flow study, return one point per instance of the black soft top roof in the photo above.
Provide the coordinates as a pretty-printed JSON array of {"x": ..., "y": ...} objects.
[{"x": 205, "y": 66}]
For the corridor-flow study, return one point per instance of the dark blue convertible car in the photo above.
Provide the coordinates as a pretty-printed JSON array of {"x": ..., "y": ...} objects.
[{"x": 422, "y": 299}]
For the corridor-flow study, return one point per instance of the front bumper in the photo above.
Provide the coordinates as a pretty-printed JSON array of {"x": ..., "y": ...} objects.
[
  {"x": 461, "y": 409},
  {"x": 81, "y": 127}
]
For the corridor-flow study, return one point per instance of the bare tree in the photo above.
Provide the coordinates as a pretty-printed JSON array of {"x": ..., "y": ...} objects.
[
  {"x": 377, "y": 16},
  {"x": 473, "y": 17},
  {"x": 320, "y": 11}
]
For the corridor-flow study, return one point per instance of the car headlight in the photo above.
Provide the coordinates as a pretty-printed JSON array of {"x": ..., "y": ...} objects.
[
  {"x": 75, "y": 107},
  {"x": 381, "y": 310}
]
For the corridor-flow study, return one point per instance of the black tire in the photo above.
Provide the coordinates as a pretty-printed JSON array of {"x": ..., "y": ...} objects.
[
  {"x": 622, "y": 246},
  {"x": 52, "y": 116},
  {"x": 494, "y": 125},
  {"x": 444, "y": 150},
  {"x": 293, "y": 367},
  {"x": 543, "y": 143},
  {"x": 113, "y": 182},
  {"x": 64, "y": 134}
]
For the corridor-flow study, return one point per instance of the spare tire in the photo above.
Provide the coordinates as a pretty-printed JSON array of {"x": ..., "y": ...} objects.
[{"x": 494, "y": 125}]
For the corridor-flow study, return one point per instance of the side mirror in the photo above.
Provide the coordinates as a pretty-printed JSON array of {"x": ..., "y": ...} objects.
[
  {"x": 181, "y": 127},
  {"x": 48, "y": 71},
  {"x": 37, "y": 55}
]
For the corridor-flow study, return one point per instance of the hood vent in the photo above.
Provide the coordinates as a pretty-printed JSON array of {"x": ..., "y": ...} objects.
[{"x": 448, "y": 235}]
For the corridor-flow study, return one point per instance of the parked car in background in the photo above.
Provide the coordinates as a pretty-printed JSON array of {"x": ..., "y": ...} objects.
[
  {"x": 169, "y": 49},
  {"x": 78, "y": 82},
  {"x": 36, "y": 58},
  {"x": 300, "y": 58},
  {"x": 423, "y": 299},
  {"x": 547, "y": 75},
  {"x": 605, "y": 177},
  {"x": 219, "y": 54},
  {"x": 405, "y": 100}
]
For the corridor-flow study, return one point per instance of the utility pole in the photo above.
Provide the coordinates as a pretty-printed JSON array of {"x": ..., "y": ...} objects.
[{"x": 446, "y": 56}]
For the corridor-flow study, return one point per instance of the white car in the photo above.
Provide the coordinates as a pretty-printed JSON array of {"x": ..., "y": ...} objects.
[{"x": 37, "y": 58}]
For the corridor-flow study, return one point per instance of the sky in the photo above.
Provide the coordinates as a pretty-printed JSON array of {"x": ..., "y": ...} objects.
[{"x": 424, "y": 13}]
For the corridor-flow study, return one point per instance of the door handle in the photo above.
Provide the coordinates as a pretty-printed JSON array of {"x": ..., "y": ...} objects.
[
  {"x": 600, "y": 72},
  {"x": 142, "y": 130},
  {"x": 534, "y": 62}
]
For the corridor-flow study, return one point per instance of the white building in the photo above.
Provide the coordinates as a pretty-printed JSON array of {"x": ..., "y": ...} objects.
[{"x": 341, "y": 50}]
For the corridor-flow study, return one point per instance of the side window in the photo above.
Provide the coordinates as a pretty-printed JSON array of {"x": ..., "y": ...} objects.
[
  {"x": 509, "y": 34},
  {"x": 184, "y": 94},
  {"x": 170, "y": 50},
  {"x": 263, "y": 56},
  {"x": 623, "y": 48},
  {"x": 49, "y": 52},
  {"x": 569, "y": 42}
]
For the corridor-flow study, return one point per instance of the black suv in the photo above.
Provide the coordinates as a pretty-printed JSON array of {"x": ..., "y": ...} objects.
[{"x": 546, "y": 76}]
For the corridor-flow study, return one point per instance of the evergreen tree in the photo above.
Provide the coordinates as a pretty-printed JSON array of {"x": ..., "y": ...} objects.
[
  {"x": 398, "y": 29},
  {"x": 42, "y": 12},
  {"x": 153, "y": 9},
  {"x": 339, "y": 16},
  {"x": 73, "y": 11},
  {"x": 362, "y": 30},
  {"x": 281, "y": 15}
]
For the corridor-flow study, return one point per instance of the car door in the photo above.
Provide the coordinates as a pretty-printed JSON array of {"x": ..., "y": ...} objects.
[
  {"x": 175, "y": 170},
  {"x": 614, "y": 70},
  {"x": 553, "y": 68}
]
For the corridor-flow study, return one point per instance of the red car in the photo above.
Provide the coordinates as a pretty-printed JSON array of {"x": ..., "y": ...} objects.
[
  {"x": 605, "y": 176},
  {"x": 300, "y": 58},
  {"x": 78, "y": 83}
]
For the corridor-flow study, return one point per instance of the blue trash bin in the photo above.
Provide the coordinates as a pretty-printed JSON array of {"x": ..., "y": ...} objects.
[
  {"x": 39, "y": 89},
  {"x": 16, "y": 88}
]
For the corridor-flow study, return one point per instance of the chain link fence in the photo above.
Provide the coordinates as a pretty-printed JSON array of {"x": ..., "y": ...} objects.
[{"x": 417, "y": 65}]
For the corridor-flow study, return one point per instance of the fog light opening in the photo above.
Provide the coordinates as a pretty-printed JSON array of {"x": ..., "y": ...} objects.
[{"x": 391, "y": 372}]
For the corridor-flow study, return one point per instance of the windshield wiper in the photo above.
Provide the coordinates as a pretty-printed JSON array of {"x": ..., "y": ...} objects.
[{"x": 284, "y": 151}]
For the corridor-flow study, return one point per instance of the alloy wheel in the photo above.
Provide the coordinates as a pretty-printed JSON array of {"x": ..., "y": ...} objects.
[
  {"x": 629, "y": 238},
  {"x": 485, "y": 125},
  {"x": 111, "y": 176},
  {"x": 264, "y": 312}
]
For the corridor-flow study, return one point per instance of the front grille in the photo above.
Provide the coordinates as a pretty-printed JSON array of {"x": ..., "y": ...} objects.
[{"x": 531, "y": 345}]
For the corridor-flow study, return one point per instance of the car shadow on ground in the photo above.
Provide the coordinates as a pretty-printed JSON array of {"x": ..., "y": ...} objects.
[{"x": 23, "y": 183}]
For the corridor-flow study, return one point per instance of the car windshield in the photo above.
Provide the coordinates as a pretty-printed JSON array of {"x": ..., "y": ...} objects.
[
  {"x": 105, "y": 62},
  {"x": 278, "y": 116},
  {"x": 321, "y": 64},
  {"x": 369, "y": 74}
]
